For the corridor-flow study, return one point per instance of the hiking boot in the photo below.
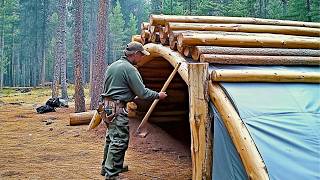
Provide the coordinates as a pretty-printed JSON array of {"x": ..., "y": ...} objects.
[{"x": 115, "y": 177}]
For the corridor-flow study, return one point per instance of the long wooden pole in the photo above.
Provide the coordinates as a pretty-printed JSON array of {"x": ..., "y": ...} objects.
[
  {"x": 140, "y": 130},
  {"x": 162, "y": 19},
  {"x": 260, "y": 60},
  {"x": 196, "y": 51},
  {"x": 278, "y": 41},
  {"x": 241, "y": 138},
  {"x": 251, "y": 75},
  {"x": 250, "y": 28}
]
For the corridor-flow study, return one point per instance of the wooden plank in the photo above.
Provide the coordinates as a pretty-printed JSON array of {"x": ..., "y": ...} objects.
[
  {"x": 264, "y": 76},
  {"x": 241, "y": 138},
  {"x": 200, "y": 123}
]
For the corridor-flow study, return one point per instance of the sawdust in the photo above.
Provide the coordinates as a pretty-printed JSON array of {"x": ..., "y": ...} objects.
[{"x": 44, "y": 146}]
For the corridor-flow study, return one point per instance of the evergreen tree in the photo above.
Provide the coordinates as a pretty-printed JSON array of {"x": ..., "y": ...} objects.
[
  {"x": 132, "y": 26},
  {"x": 117, "y": 32}
]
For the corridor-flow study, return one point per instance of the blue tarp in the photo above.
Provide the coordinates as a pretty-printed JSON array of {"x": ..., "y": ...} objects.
[{"x": 284, "y": 122}]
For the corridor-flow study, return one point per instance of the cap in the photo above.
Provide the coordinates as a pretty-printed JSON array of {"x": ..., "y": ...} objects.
[{"x": 134, "y": 47}]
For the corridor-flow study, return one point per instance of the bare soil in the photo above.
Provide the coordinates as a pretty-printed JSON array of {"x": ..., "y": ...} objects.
[{"x": 44, "y": 146}]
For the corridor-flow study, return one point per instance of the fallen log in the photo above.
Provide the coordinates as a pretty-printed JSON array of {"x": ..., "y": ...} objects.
[
  {"x": 163, "y": 19},
  {"x": 196, "y": 51},
  {"x": 278, "y": 41},
  {"x": 289, "y": 30},
  {"x": 81, "y": 118},
  {"x": 259, "y": 60},
  {"x": 264, "y": 76}
]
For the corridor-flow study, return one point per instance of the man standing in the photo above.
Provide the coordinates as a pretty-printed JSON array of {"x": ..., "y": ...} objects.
[{"x": 122, "y": 84}]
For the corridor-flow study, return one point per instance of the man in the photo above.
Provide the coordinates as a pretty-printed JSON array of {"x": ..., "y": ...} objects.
[{"x": 122, "y": 84}]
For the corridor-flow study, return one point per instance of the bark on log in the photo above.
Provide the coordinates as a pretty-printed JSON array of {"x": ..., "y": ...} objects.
[
  {"x": 289, "y": 30},
  {"x": 187, "y": 51},
  {"x": 278, "y": 41},
  {"x": 155, "y": 37},
  {"x": 81, "y": 118},
  {"x": 144, "y": 26},
  {"x": 163, "y": 19},
  {"x": 196, "y": 51},
  {"x": 164, "y": 37},
  {"x": 137, "y": 38},
  {"x": 249, "y": 154},
  {"x": 259, "y": 60},
  {"x": 264, "y": 76}
]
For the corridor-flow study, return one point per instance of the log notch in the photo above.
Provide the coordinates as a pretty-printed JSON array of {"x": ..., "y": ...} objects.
[
  {"x": 251, "y": 75},
  {"x": 136, "y": 38},
  {"x": 200, "y": 123},
  {"x": 250, "y": 28},
  {"x": 163, "y": 19},
  {"x": 278, "y": 41},
  {"x": 81, "y": 118},
  {"x": 249, "y": 154},
  {"x": 196, "y": 51},
  {"x": 259, "y": 60}
]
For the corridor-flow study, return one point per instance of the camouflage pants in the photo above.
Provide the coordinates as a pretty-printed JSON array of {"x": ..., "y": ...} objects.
[{"x": 117, "y": 139}]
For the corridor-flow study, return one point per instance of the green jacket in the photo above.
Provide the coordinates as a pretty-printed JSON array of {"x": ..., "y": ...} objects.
[{"x": 123, "y": 82}]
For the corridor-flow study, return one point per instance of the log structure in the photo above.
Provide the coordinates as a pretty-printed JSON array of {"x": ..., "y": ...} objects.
[{"x": 223, "y": 49}]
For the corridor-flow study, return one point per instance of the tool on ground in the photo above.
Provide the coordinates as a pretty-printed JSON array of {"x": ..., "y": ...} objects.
[{"x": 141, "y": 130}]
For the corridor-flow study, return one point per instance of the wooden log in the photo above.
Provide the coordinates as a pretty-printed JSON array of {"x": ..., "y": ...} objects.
[
  {"x": 136, "y": 38},
  {"x": 240, "y": 136},
  {"x": 157, "y": 50},
  {"x": 155, "y": 37},
  {"x": 145, "y": 36},
  {"x": 200, "y": 123},
  {"x": 260, "y": 60},
  {"x": 279, "y": 41},
  {"x": 196, "y": 51},
  {"x": 163, "y": 19},
  {"x": 164, "y": 37},
  {"x": 80, "y": 118},
  {"x": 181, "y": 49},
  {"x": 154, "y": 29},
  {"x": 264, "y": 76},
  {"x": 144, "y": 26},
  {"x": 187, "y": 51},
  {"x": 289, "y": 30}
]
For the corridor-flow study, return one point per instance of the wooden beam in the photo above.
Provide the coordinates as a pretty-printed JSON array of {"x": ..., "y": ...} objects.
[
  {"x": 81, "y": 118},
  {"x": 241, "y": 138},
  {"x": 200, "y": 123},
  {"x": 144, "y": 26},
  {"x": 278, "y": 41},
  {"x": 196, "y": 51},
  {"x": 145, "y": 36},
  {"x": 264, "y": 76},
  {"x": 250, "y": 28},
  {"x": 163, "y": 19},
  {"x": 259, "y": 60}
]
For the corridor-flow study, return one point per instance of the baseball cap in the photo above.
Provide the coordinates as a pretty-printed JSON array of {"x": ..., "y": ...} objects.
[{"x": 134, "y": 47}]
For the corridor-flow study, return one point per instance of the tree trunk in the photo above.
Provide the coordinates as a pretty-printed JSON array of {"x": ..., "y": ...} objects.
[
  {"x": 79, "y": 92},
  {"x": 61, "y": 46},
  {"x": 44, "y": 41},
  {"x": 98, "y": 67}
]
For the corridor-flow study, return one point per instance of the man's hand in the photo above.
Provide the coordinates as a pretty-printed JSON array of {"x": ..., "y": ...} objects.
[{"x": 162, "y": 95}]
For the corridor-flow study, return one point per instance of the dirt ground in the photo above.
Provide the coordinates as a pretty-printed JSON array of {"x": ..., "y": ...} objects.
[{"x": 44, "y": 146}]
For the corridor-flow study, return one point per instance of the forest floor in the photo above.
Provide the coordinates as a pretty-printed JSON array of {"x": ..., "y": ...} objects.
[{"x": 44, "y": 146}]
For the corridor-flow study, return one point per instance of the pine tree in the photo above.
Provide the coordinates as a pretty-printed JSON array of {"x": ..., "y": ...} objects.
[
  {"x": 117, "y": 31},
  {"x": 132, "y": 26}
]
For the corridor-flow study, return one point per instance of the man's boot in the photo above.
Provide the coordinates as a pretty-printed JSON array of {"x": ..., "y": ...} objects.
[{"x": 124, "y": 169}]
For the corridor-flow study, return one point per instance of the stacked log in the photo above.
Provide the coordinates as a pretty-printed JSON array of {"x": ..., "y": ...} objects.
[{"x": 236, "y": 40}]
